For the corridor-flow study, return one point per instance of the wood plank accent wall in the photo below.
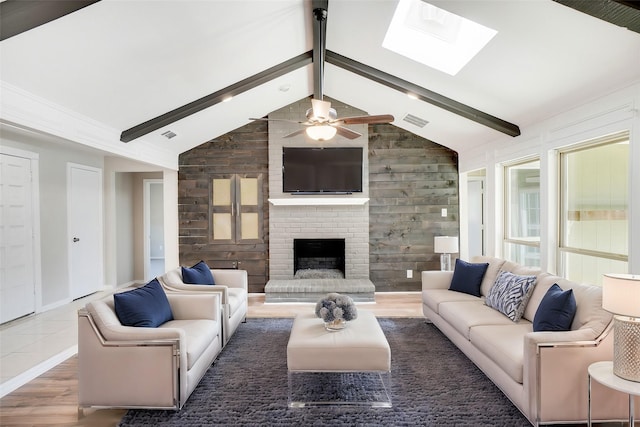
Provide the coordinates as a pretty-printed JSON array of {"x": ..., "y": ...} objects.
[
  {"x": 410, "y": 180},
  {"x": 242, "y": 151}
]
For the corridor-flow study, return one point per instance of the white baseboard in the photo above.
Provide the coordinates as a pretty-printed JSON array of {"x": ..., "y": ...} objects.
[
  {"x": 20, "y": 380},
  {"x": 54, "y": 305}
]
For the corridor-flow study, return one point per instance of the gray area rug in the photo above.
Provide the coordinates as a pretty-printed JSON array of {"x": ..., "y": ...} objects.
[{"x": 433, "y": 384}]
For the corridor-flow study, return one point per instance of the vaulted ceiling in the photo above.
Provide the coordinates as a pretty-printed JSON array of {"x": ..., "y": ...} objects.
[{"x": 125, "y": 63}]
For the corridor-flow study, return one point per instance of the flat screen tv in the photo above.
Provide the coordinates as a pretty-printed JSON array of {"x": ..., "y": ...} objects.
[{"x": 322, "y": 170}]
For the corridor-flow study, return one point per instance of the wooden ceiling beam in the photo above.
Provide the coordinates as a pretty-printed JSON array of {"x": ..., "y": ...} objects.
[
  {"x": 423, "y": 94},
  {"x": 623, "y": 13},
  {"x": 216, "y": 97},
  {"x": 18, "y": 16}
]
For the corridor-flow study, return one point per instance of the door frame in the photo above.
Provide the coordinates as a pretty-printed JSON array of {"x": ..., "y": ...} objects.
[
  {"x": 483, "y": 202},
  {"x": 146, "y": 210},
  {"x": 34, "y": 158},
  {"x": 100, "y": 242}
]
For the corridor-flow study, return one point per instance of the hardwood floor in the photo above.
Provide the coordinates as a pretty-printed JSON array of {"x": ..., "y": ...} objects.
[
  {"x": 51, "y": 399},
  {"x": 387, "y": 304}
]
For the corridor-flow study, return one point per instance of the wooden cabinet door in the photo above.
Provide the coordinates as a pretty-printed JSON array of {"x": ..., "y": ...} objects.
[{"x": 236, "y": 208}]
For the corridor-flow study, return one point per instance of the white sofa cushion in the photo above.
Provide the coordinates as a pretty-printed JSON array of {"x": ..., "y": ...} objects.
[
  {"x": 172, "y": 277},
  {"x": 464, "y": 315},
  {"x": 495, "y": 264},
  {"x": 589, "y": 312},
  {"x": 543, "y": 283},
  {"x": 200, "y": 334},
  {"x": 237, "y": 297},
  {"x": 433, "y": 297},
  {"x": 504, "y": 345},
  {"x": 520, "y": 270}
]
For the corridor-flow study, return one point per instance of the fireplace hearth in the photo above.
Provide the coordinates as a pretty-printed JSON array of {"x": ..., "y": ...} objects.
[{"x": 319, "y": 268}]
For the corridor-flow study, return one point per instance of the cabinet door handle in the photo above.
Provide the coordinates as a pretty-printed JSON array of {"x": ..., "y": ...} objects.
[{"x": 75, "y": 239}]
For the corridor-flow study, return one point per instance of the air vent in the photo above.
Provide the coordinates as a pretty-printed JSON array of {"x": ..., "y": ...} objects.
[
  {"x": 168, "y": 134},
  {"x": 414, "y": 120}
]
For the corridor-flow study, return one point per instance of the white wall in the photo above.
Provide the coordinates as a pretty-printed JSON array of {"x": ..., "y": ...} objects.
[
  {"x": 124, "y": 225},
  {"x": 53, "y": 157},
  {"x": 119, "y": 199},
  {"x": 32, "y": 112},
  {"x": 613, "y": 113},
  {"x": 119, "y": 270},
  {"x": 171, "y": 221}
]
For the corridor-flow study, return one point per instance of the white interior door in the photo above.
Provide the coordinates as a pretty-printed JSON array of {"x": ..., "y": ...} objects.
[
  {"x": 85, "y": 229},
  {"x": 153, "y": 228},
  {"x": 17, "y": 271}
]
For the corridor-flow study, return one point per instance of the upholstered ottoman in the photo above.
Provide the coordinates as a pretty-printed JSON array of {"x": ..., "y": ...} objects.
[{"x": 351, "y": 366}]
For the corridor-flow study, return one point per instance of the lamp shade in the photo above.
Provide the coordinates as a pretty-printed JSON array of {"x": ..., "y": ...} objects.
[
  {"x": 321, "y": 132},
  {"x": 445, "y": 244},
  {"x": 621, "y": 294}
]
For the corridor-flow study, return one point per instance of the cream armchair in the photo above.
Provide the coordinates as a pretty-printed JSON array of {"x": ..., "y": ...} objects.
[
  {"x": 231, "y": 285},
  {"x": 136, "y": 367}
]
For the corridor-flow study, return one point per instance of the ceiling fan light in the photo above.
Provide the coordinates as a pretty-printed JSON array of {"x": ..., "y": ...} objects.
[{"x": 321, "y": 133}]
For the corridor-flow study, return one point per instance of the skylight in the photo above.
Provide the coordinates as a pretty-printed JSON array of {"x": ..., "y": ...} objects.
[{"x": 435, "y": 37}]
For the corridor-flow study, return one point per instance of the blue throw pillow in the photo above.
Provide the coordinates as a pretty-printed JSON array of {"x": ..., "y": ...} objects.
[
  {"x": 556, "y": 310},
  {"x": 467, "y": 277},
  {"x": 510, "y": 294},
  {"x": 199, "y": 274},
  {"x": 146, "y": 306}
]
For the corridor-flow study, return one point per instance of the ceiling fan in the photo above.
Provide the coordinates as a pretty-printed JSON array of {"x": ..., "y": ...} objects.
[{"x": 322, "y": 121}]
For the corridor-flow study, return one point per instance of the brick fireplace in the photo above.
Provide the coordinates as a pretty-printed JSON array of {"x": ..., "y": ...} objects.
[
  {"x": 318, "y": 254},
  {"x": 315, "y": 217}
]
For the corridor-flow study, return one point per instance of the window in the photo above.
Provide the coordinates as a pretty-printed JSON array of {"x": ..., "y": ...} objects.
[
  {"x": 594, "y": 230},
  {"x": 522, "y": 213},
  {"x": 435, "y": 37}
]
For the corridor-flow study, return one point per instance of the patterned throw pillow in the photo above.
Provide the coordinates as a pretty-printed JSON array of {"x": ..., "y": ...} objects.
[{"x": 510, "y": 294}]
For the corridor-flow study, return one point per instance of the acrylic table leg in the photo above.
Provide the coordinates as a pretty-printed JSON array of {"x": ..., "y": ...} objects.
[
  {"x": 589, "y": 405},
  {"x": 632, "y": 412}
]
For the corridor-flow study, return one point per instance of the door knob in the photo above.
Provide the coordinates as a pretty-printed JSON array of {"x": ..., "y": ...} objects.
[{"x": 75, "y": 239}]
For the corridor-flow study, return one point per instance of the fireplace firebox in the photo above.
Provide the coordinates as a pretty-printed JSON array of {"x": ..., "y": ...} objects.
[{"x": 318, "y": 254}]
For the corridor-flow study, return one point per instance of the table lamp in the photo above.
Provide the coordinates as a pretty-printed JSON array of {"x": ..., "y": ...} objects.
[
  {"x": 621, "y": 296},
  {"x": 445, "y": 245}
]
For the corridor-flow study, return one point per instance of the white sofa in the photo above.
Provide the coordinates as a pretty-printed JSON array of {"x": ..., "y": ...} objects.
[
  {"x": 231, "y": 285},
  {"x": 544, "y": 374},
  {"x": 146, "y": 367}
]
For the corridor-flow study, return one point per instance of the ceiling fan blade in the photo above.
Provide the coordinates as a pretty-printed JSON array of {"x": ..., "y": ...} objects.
[
  {"x": 359, "y": 120},
  {"x": 347, "y": 133},
  {"x": 321, "y": 109},
  {"x": 280, "y": 120},
  {"x": 298, "y": 132}
]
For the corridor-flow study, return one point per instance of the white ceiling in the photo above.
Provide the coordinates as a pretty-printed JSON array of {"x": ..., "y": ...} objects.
[{"x": 122, "y": 63}]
